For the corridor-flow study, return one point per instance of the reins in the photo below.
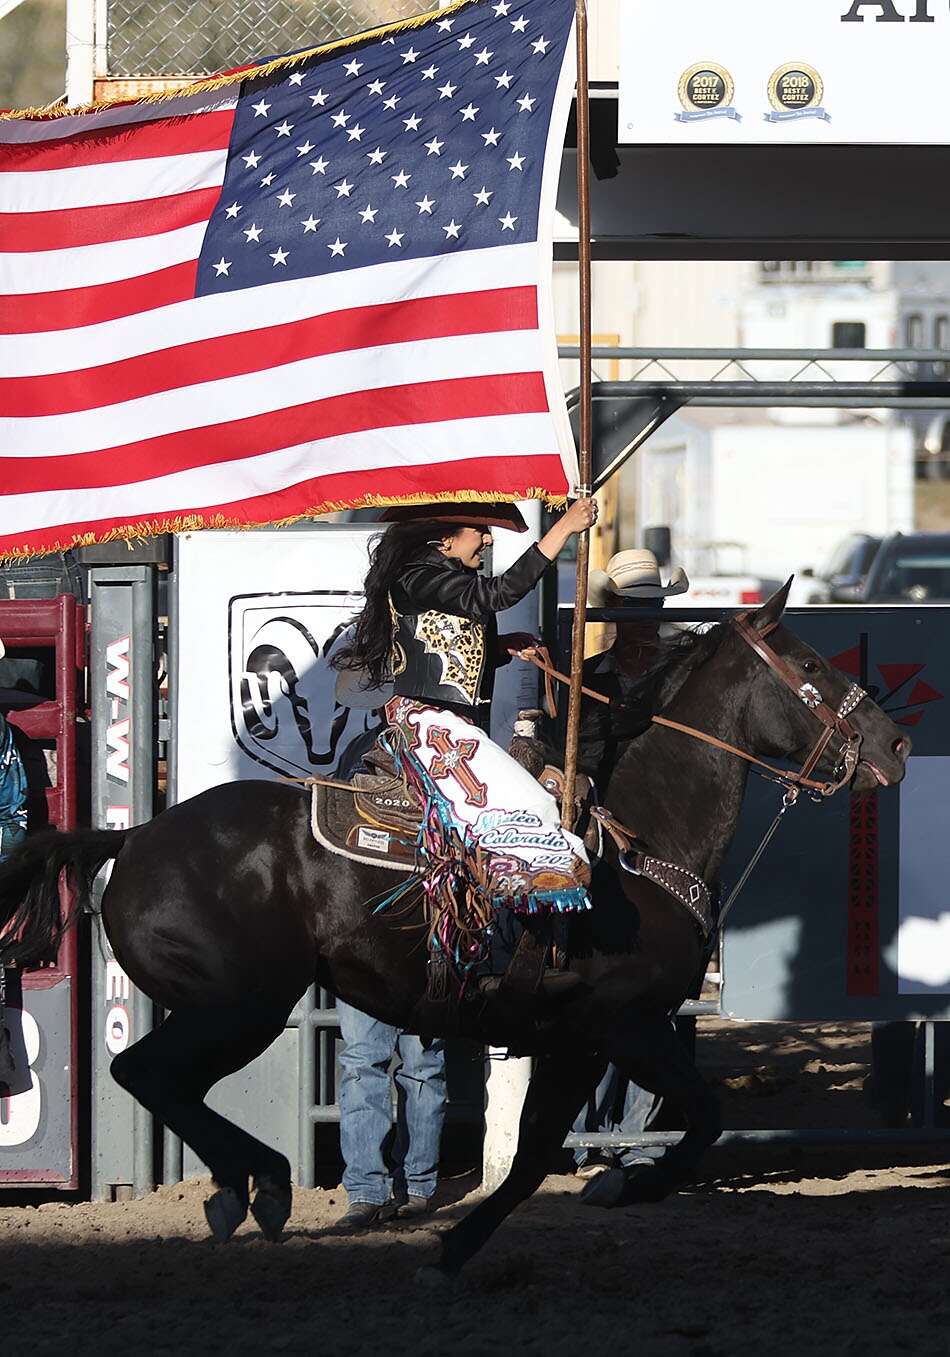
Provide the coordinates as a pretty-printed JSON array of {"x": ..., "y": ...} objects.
[
  {"x": 834, "y": 722},
  {"x": 771, "y": 774},
  {"x": 540, "y": 657}
]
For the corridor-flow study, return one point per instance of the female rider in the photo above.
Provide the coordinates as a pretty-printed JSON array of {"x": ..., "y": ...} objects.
[{"x": 428, "y": 626}]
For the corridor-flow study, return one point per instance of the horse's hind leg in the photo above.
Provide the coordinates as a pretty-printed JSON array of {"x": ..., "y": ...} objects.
[
  {"x": 171, "y": 1070},
  {"x": 558, "y": 1087},
  {"x": 648, "y": 1051}
]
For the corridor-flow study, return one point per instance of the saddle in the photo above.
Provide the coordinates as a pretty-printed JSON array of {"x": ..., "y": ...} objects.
[{"x": 378, "y": 822}]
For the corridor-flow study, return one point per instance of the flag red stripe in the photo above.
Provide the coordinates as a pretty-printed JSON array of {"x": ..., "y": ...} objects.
[
  {"x": 112, "y": 145},
  {"x": 33, "y": 313},
  {"x": 385, "y": 407},
  {"x": 224, "y": 356},
  {"x": 485, "y": 475},
  {"x": 73, "y": 226}
]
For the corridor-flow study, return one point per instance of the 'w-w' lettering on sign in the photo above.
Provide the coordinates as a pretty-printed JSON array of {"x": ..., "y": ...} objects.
[{"x": 117, "y": 732}]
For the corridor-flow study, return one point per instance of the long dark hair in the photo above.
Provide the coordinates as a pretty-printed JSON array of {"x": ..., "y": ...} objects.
[{"x": 369, "y": 649}]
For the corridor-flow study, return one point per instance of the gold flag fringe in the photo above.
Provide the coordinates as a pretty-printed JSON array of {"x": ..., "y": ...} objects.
[
  {"x": 266, "y": 68},
  {"x": 181, "y": 523}
]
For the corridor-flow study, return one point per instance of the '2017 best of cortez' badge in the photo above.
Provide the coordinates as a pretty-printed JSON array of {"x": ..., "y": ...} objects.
[
  {"x": 706, "y": 91},
  {"x": 795, "y": 91}
]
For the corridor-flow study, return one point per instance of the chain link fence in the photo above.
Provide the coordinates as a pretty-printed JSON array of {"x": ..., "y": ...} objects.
[{"x": 198, "y": 37}]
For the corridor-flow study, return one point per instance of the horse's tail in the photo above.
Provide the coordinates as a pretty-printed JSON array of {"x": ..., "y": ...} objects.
[{"x": 33, "y": 916}]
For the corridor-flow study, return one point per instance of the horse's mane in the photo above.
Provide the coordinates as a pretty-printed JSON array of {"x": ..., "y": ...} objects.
[{"x": 677, "y": 656}]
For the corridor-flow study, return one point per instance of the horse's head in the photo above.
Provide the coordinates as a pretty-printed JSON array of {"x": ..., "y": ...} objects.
[{"x": 803, "y": 710}]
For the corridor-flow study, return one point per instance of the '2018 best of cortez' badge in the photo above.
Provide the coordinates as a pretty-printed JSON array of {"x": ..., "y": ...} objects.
[
  {"x": 795, "y": 91},
  {"x": 706, "y": 91}
]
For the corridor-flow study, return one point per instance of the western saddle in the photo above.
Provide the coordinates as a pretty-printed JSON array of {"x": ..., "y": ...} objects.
[{"x": 376, "y": 819}]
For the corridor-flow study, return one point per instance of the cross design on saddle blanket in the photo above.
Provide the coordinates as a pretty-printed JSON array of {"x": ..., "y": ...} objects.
[{"x": 451, "y": 760}]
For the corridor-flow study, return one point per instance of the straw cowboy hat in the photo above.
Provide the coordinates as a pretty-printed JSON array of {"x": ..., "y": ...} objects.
[{"x": 633, "y": 575}]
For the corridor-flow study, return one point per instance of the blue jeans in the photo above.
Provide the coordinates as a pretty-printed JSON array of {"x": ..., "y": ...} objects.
[
  {"x": 10, "y": 836},
  {"x": 619, "y": 1106},
  {"x": 366, "y": 1118}
]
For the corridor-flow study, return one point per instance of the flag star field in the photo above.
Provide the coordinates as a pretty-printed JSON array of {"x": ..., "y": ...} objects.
[{"x": 428, "y": 142}]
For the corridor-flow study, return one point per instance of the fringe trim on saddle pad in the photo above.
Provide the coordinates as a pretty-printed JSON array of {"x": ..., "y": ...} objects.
[{"x": 457, "y": 876}]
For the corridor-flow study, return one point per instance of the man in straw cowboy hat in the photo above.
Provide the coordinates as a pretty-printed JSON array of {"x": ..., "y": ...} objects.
[{"x": 631, "y": 582}]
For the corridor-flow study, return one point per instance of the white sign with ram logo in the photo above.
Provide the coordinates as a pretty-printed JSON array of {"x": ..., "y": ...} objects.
[
  {"x": 820, "y": 71},
  {"x": 256, "y": 691}
]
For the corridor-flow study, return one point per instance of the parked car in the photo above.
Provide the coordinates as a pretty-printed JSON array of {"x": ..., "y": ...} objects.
[
  {"x": 841, "y": 579},
  {"x": 910, "y": 567}
]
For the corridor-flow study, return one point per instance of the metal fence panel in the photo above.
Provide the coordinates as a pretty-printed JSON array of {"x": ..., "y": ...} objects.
[
  {"x": 122, "y": 669},
  {"x": 199, "y": 37}
]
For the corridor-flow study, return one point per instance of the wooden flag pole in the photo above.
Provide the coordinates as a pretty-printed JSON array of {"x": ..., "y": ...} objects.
[{"x": 586, "y": 417}]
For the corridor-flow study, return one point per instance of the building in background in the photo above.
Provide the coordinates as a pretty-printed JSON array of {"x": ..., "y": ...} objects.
[
  {"x": 649, "y": 304},
  {"x": 685, "y": 475}
]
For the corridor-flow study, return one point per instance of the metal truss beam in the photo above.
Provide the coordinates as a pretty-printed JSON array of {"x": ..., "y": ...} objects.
[
  {"x": 841, "y": 395},
  {"x": 626, "y": 413}
]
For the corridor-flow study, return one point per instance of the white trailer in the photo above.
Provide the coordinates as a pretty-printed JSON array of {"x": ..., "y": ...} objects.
[{"x": 753, "y": 496}]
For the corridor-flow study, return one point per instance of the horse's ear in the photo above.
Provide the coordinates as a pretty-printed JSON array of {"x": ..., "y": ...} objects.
[{"x": 770, "y": 614}]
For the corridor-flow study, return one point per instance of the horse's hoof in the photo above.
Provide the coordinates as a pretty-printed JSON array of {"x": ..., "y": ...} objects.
[
  {"x": 646, "y": 1183},
  {"x": 271, "y": 1208},
  {"x": 224, "y": 1212},
  {"x": 434, "y": 1278},
  {"x": 605, "y": 1190}
]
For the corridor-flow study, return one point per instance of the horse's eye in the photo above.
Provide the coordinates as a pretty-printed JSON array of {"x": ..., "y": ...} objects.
[{"x": 811, "y": 666}]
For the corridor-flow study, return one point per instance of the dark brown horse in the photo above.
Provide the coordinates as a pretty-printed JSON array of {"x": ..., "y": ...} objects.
[{"x": 223, "y": 909}]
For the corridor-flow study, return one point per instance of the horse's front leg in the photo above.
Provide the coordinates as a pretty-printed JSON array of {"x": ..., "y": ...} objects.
[
  {"x": 647, "y": 1049},
  {"x": 558, "y": 1087}
]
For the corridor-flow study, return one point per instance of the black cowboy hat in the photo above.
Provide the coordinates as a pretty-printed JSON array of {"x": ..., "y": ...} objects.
[{"x": 487, "y": 514}]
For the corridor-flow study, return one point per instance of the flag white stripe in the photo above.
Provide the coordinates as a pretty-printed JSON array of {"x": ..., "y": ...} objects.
[
  {"x": 413, "y": 446},
  {"x": 273, "y": 389},
  {"x": 16, "y": 131},
  {"x": 89, "y": 265},
  {"x": 124, "y": 181},
  {"x": 33, "y": 355}
]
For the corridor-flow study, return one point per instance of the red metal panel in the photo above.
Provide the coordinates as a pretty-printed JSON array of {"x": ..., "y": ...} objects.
[
  {"x": 59, "y": 623},
  {"x": 864, "y": 946}
]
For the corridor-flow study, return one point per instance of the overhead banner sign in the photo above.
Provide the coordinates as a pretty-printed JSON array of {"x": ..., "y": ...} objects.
[{"x": 739, "y": 71}]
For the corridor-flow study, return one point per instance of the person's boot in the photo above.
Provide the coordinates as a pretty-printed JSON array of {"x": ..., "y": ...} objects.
[
  {"x": 365, "y": 1216},
  {"x": 416, "y": 1208}
]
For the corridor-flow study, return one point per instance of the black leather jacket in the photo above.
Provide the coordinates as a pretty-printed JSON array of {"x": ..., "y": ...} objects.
[{"x": 445, "y": 637}]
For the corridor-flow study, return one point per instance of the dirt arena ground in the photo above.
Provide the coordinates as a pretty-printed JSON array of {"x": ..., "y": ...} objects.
[{"x": 775, "y": 1251}]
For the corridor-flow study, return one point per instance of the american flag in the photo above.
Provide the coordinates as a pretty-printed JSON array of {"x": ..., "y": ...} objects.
[{"x": 320, "y": 283}]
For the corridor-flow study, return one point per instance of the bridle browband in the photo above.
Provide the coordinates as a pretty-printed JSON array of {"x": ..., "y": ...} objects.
[{"x": 834, "y": 722}]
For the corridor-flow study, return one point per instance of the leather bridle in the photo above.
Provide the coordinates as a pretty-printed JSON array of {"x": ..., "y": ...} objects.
[{"x": 835, "y": 722}]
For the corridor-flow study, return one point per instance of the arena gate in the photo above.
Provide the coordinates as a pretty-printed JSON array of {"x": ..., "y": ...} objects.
[{"x": 40, "y": 1119}]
